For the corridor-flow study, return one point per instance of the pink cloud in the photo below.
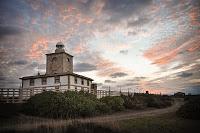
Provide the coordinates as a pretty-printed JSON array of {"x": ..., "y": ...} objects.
[
  {"x": 167, "y": 50},
  {"x": 194, "y": 15},
  {"x": 38, "y": 48}
]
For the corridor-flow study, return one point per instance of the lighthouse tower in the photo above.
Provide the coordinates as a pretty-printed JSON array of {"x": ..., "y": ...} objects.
[{"x": 60, "y": 61}]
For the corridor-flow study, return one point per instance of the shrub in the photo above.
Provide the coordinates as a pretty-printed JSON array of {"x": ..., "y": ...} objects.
[
  {"x": 103, "y": 108},
  {"x": 133, "y": 102},
  {"x": 60, "y": 105},
  {"x": 158, "y": 101},
  {"x": 191, "y": 109},
  {"x": 115, "y": 102},
  {"x": 49, "y": 104}
]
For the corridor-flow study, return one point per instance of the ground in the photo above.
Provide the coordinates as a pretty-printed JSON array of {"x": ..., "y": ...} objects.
[{"x": 151, "y": 120}]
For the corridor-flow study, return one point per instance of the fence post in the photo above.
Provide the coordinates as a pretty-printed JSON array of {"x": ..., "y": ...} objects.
[
  {"x": 7, "y": 97},
  {"x": 13, "y": 95}
]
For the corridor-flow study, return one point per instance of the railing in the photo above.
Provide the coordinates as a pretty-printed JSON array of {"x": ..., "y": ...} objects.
[
  {"x": 103, "y": 93},
  {"x": 10, "y": 95},
  {"x": 19, "y": 95}
]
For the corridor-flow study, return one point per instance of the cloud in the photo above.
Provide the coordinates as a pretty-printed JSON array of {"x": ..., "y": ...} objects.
[
  {"x": 99, "y": 84},
  {"x": 118, "y": 74},
  {"x": 109, "y": 81},
  {"x": 38, "y": 48},
  {"x": 18, "y": 62},
  {"x": 138, "y": 22},
  {"x": 185, "y": 74},
  {"x": 84, "y": 67},
  {"x": 121, "y": 9},
  {"x": 169, "y": 49},
  {"x": 125, "y": 52},
  {"x": 6, "y": 30}
]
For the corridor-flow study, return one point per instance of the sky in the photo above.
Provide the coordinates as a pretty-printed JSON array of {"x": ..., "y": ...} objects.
[{"x": 134, "y": 45}]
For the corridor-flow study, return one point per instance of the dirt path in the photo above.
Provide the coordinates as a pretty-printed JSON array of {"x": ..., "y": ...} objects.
[
  {"x": 132, "y": 115},
  {"x": 38, "y": 122}
]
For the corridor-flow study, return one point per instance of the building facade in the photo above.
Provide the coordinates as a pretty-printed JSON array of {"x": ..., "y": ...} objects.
[{"x": 59, "y": 75}]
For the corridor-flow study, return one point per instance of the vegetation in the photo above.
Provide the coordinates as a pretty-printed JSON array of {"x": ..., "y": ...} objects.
[
  {"x": 146, "y": 100},
  {"x": 80, "y": 104},
  {"x": 115, "y": 102},
  {"x": 63, "y": 105},
  {"x": 73, "y": 128},
  {"x": 191, "y": 108},
  {"x": 168, "y": 123}
]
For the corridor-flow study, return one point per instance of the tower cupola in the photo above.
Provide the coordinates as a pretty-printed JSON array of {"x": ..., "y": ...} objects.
[{"x": 59, "y": 47}]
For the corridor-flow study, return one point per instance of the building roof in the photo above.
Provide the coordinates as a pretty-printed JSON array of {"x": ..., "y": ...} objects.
[
  {"x": 52, "y": 75},
  {"x": 60, "y": 53}
]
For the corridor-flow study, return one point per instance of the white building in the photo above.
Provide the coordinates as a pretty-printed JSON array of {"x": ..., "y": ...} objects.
[{"x": 59, "y": 75}]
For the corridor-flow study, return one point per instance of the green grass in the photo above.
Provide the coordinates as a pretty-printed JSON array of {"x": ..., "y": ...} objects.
[{"x": 168, "y": 123}]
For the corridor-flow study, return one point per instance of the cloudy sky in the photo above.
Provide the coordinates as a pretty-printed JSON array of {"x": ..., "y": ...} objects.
[{"x": 138, "y": 44}]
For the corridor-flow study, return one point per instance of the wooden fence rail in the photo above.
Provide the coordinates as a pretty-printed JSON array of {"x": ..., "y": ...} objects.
[{"x": 19, "y": 95}]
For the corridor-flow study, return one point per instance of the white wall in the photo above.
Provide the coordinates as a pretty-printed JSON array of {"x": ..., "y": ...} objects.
[{"x": 63, "y": 82}]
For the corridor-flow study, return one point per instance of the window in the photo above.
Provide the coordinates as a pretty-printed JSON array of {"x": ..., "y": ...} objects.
[
  {"x": 44, "y": 81},
  {"x": 31, "y": 82},
  {"x": 68, "y": 59},
  {"x": 75, "y": 80},
  {"x": 82, "y": 81},
  {"x": 57, "y": 79},
  {"x": 88, "y": 83}
]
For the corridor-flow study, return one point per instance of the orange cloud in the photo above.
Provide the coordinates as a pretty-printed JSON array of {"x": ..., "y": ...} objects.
[
  {"x": 80, "y": 48},
  {"x": 195, "y": 46},
  {"x": 38, "y": 48},
  {"x": 194, "y": 15},
  {"x": 161, "y": 53},
  {"x": 106, "y": 67},
  {"x": 98, "y": 7},
  {"x": 166, "y": 51}
]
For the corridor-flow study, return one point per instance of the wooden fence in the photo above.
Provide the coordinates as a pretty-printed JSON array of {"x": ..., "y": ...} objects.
[
  {"x": 19, "y": 95},
  {"x": 10, "y": 95}
]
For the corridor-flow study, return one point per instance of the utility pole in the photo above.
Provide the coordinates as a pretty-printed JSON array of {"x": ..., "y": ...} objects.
[{"x": 109, "y": 90}]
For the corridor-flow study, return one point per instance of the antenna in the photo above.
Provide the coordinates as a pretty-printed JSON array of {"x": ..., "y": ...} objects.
[{"x": 38, "y": 73}]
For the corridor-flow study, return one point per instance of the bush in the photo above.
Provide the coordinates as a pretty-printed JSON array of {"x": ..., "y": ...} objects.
[
  {"x": 103, "y": 108},
  {"x": 48, "y": 104},
  {"x": 191, "y": 109},
  {"x": 66, "y": 105},
  {"x": 143, "y": 101},
  {"x": 115, "y": 102},
  {"x": 158, "y": 101},
  {"x": 133, "y": 102},
  {"x": 80, "y": 104},
  {"x": 61, "y": 105}
]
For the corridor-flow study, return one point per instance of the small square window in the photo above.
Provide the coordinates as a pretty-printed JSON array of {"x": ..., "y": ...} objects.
[
  {"x": 44, "y": 81},
  {"x": 57, "y": 79},
  {"x": 82, "y": 81},
  {"x": 88, "y": 83},
  {"x": 75, "y": 80},
  {"x": 32, "y": 82}
]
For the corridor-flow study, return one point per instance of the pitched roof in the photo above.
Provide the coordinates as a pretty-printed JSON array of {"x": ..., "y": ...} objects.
[{"x": 53, "y": 75}]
